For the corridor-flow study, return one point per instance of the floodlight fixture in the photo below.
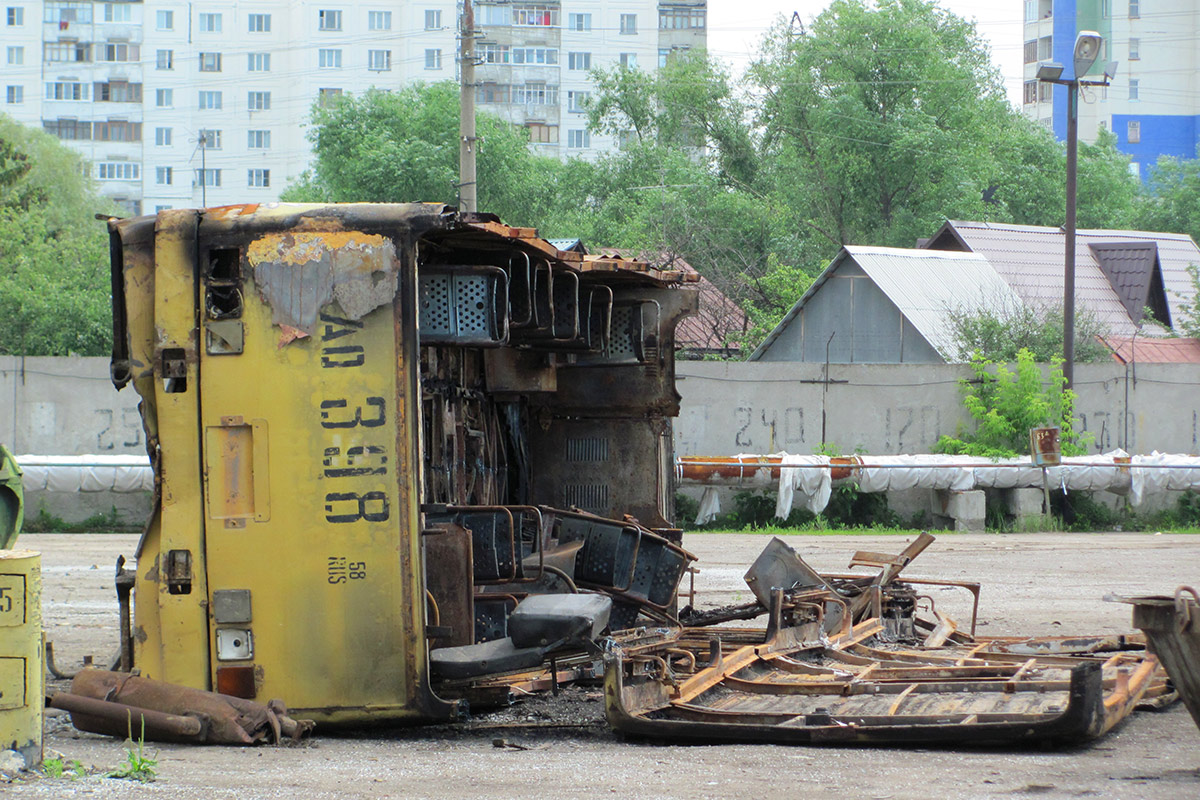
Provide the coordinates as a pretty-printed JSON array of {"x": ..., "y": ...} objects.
[
  {"x": 1087, "y": 50},
  {"x": 1050, "y": 71}
]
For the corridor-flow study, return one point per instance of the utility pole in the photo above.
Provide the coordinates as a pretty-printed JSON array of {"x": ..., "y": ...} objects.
[
  {"x": 466, "y": 118},
  {"x": 203, "y": 170}
]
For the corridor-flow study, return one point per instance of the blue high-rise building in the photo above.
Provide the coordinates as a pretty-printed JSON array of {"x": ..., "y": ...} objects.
[{"x": 1153, "y": 104}]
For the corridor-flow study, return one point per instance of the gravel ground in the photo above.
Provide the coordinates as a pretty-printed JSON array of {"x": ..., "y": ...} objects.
[{"x": 1033, "y": 584}]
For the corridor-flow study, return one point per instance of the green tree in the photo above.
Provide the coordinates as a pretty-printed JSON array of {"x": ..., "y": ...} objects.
[
  {"x": 1173, "y": 203},
  {"x": 883, "y": 117},
  {"x": 1006, "y": 403},
  {"x": 54, "y": 283},
  {"x": 402, "y": 146},
  {"x": 1000, "y": 335}
]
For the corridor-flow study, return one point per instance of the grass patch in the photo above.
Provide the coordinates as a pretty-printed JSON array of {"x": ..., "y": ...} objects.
[{"x": 45, "y": 522}]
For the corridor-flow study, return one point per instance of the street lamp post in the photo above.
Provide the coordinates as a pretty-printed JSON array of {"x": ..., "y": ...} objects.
[{"x": 1087, "y": 48}]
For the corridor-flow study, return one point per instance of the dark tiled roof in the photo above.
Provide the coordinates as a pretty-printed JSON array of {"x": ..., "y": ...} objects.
[{"x": 1129, "y": 267}]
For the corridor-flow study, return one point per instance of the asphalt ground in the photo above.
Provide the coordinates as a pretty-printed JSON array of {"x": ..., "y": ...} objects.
[{"x": 1036, "y": 584}]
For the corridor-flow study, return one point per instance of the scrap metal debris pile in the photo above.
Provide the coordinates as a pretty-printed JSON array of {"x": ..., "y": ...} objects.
[{"x": 848, "y": 658}]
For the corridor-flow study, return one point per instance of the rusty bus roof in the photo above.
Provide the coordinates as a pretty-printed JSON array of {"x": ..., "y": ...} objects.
[{"x": 433, "y": 222}]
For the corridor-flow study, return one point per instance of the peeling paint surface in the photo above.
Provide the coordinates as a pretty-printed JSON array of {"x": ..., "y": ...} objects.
[{"x": 300, "y": 273}]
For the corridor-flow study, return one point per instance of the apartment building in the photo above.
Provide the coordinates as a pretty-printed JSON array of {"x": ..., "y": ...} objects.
[
  {"x": 1153, "y": 104},
  {"x": 181, "y": 104}
]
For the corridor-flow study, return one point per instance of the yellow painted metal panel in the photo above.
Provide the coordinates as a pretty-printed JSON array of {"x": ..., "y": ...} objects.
[
  {"x": 335, "y": 598},
  {"x": 21, "y": 659},
  {"x": 171, "y": 635}
]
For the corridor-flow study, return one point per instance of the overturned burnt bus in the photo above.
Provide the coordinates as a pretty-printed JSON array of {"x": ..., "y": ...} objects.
[
  {"x": 849, "y": 659},
  {"x": 380, "y": 433}
]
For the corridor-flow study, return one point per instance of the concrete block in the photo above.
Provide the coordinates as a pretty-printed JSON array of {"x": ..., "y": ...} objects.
[
  {"x": 963, "y": 511},
  {"x": 1023, "y": 503}
]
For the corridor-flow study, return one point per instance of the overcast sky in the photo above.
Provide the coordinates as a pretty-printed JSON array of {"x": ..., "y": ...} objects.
[{"x": 736, "y": 26}]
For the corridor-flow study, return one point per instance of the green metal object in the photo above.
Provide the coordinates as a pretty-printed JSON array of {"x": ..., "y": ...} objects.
[{"x": 12, "y": 500}]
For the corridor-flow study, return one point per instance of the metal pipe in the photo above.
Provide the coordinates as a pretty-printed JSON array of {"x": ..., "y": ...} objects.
[{"x": 118, "y": 719}]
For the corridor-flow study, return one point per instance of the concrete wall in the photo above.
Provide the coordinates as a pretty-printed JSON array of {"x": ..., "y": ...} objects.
[
  {"x": 737, "y": 407},
  {"x": 66, "y": 406}
]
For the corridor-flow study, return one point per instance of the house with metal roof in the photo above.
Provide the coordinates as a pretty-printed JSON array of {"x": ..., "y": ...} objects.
[
  {"x": 885, "y": 305},
  {"x": 1118, "y": 274}
]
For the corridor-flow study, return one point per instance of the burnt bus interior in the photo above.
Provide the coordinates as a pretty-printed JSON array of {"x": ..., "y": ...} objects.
[{"x": 547, "y": 392}]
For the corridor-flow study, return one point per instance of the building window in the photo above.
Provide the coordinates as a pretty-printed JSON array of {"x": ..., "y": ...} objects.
[
  {"x": 162, "y": 137},
  {"x": 579, "y": 22},
  {"x": 327, "y": 96},
  {"x": 209, "y": 139},
  {"x": 1133, "y": 89},
  {"x": 164, "y": 98},
  {"x": 579, "y": 60},
  {"x": 258, "y": 62},
  {"x": 159, "y": 209},
  {"x": 536, "y": 94},
  {"x": 379, "y": 20},
  {"x": 208, "y": 177},
  {"x": 677, "y": 19},
  {"x": 14, "y": 95},
  {"x": 164, "y": 59},
  {"x": 163, "y": 176},
  {"x": 492, "y": 93},
  {"x": 579, "y": 138},
  {"x": 118, "y": 12},
  {"x": 119, "y": 52},
  {"x": 258, "y": 23},
  {"x": 381, "y": 60},
  {"x": 258, "y": 140},
  {"x": 433, "y": 19},
  {"x": 68, "y": 129},
  {"x": 629, "y": 60},
  {"x": 329, "y": 20},
  {"x": 577, "y": 101},
  {"x": 16, "y": 55},
  {"x": 1135, "y": 45},
  {"x": 57, "y": 13},
  {"x": 1046, "y": 92},
  {"x": 1031, "y": 49},
  {"x": 1031, "y": 92},
  {"x": 118, "y": 131},
  {"x": 66, "y": 90},
  {"x": 1135, "y": 10},
  {"x": 118, "y": 171},
  {"x": 1031, "y": 10},
  {"x": 14, "y": 16},
  {"x": 628, "y": 24},
  {"x": 1045, "y": 48},
  {"x": 210, "y": 62},
  {"x": 258, "y": 177},
  {"x": 258, "y": 101},
  {"x": 118, "y": 92},
  {"x": 67, "y": 52},
  {"x": 539, "y": 16},
  {"x": 1133, "y": 131},
  {"x": 433, "y": 59},
  {"x": 492, "y": 53},
  {"x": 534, "y": 55},
  {"x": 540, "y": 133},
  {"x": 210, "y": 100},
  {"x": 164, "y": 20},
  {"x": 210, "y": 23},
  {"x": 329, "y": 59}
]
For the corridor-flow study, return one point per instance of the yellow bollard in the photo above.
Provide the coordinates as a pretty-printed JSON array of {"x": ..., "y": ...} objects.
[{"x": 22, "y": 665}]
